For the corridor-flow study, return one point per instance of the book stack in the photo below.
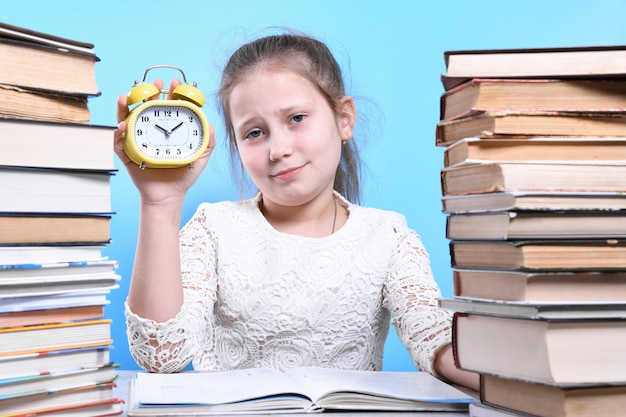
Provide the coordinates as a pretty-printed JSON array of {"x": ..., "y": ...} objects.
[
  {"x": 55, "y": 213},
  {"x": 533, "y": 188}
]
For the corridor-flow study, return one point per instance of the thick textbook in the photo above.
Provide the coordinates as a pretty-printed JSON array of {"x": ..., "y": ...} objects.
[
  {"x": 541, "y": 400},
  {"x": 53, "y": 362},
  {"x": 57, "y": 296},
  {"x": 23, "y": 103},
  {"x": 49, "y": 190},
  {"x": 513, "y": 224},
  {"x": 589, "y": 150},
  {"x": 304, "y": 389},
  {"x": 535, "y": 255},
  {"x": 56, "y": 336},
  {"x": 513, "y": 124},
  {"x": 533, "y": 200},
  {"x": 540, "y": 286},
  {"x": 537, "y": 311},
  {"x": 95, "y": 400},
  {"x": 26, "y": 282},
  {"x": 45, "y": 144},
  {"x": 491, "y": 177},
  {"x": 549, "y": 351},
  {"x": 584, "y": 62},
  {"x": 496, "y": 94},
  {"x": 37, "y": 255},
  {"x": 40, "y": 61},
  {"x": 47, "y": 228},
  {"x": 35, "y": 37},
  {"x": 53, "y": 315},
  {"x": 48, "y": 383}
]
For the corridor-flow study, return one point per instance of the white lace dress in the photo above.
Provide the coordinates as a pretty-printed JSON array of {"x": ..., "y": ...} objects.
[{"x": 255, "y": 297}]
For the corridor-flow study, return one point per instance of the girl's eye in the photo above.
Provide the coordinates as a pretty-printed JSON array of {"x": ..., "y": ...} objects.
[
  {"x": 253, "y": 134},
  {"x": 297, "y": 118}
]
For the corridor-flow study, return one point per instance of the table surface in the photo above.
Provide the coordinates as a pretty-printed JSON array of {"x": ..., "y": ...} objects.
[{"x": 124, "y": 376}]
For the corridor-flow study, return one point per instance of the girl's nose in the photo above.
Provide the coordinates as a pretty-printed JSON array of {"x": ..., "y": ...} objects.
[{"x": 281, "y": 146}]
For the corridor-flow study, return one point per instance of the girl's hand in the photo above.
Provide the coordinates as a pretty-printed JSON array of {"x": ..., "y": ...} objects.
[{"x": 158, "y": 185}]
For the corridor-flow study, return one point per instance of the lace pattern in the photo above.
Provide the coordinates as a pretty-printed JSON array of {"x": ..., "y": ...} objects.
[{"x": 255, "y": 297}]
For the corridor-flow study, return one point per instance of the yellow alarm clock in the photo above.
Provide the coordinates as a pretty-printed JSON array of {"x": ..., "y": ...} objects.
[{"x": 165, "y": 133}]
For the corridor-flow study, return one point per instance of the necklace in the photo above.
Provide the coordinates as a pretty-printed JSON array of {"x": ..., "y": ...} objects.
[{"x": 334, "y": 216}]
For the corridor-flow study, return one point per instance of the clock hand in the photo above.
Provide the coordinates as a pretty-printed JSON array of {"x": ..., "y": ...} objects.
[
  {"x": 167, "y": 132},
  {"x": 176, "y": 127}
]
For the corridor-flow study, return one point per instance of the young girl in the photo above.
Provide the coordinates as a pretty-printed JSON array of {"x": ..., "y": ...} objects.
[{"x": 299, "y": 275}]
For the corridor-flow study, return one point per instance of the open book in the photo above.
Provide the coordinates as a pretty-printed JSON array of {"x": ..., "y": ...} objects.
[{"x": 303, "y": 390}]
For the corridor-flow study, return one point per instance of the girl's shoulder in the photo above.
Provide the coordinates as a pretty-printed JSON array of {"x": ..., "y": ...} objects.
[
  {"x": 226, "y": 211},
  {"x": 374, "y": 215},
  {"x": 228, "y": 205}
]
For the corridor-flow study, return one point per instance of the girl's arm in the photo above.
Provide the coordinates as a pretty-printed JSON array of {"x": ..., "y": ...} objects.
[
  {"x": 156, "y": 288},
  {"x": 446, "y": 369}
]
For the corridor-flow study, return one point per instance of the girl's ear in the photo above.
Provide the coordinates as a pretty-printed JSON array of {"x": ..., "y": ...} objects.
[{"x": 346, "y": 118}]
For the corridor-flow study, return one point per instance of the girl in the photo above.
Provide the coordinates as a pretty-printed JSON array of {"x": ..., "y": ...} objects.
[{"x": 298, "y": 275}]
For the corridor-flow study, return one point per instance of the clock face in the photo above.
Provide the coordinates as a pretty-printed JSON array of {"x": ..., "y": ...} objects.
[{"x": 168, "y": 132}]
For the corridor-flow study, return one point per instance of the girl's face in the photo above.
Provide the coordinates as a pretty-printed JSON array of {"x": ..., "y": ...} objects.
[{"x": 288, "y": 137}]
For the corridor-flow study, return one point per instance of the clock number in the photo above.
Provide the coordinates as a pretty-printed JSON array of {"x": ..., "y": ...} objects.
[
  {"x": 145, "y": 119},
  {"x": 167, "y": 151},
  {"x": 158, "y": 151},
  {"x": 179, "y": 151},
  {"x": 157, "y": 113},
  {"x": 139, "y": 132},
  {"x": 168, "y": 113},
  {"x": 191, "y": 119},
  {"x": 144, "y": 145},
  {"x": 195, "y": 132}
]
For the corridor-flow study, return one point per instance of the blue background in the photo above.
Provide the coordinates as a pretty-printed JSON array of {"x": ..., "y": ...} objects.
[{"x": 391, "y": 50}]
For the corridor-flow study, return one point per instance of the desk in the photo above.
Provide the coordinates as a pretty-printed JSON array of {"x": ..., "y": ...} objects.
[{"x": 124, "y": 377}]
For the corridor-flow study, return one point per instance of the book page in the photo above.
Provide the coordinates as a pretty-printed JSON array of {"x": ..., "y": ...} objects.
[
  {"x": 411, "y": 386},
  {"x": 266, "y": 389},
  {"x": 209, "y": 388}
]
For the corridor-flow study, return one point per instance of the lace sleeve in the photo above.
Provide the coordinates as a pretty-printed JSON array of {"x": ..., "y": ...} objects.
[
  {"x": 171, "y": 345},
  {"x": 411, "y": 297}
]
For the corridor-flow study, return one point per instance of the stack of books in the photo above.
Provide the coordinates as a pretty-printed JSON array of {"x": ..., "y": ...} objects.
[
  {"x": 533, "y": 188},
  {"x": 55, "y": 213}
]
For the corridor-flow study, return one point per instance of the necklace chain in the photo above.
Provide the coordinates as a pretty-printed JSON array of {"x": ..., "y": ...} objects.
[{"x": 335, "y": 216}]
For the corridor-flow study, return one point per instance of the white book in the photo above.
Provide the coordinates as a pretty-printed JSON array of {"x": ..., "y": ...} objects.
[{"x": 298, "y": 390}]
